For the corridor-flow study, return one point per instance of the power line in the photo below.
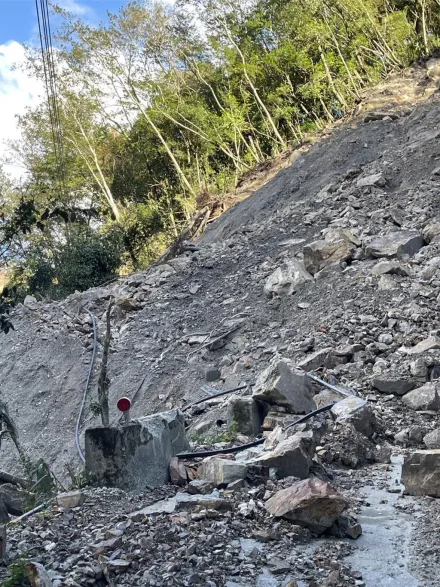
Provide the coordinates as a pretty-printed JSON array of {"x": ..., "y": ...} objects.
[{"x": 47, "y": 55}]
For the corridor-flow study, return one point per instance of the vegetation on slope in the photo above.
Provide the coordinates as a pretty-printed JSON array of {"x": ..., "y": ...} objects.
[{"x": 163, "y": 109}]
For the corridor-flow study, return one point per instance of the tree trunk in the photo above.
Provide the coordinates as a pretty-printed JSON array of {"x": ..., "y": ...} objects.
[{"x": 104, "y": 382}]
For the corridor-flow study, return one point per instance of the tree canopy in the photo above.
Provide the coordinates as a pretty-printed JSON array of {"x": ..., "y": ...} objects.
[{"x": 162, "y": 104}]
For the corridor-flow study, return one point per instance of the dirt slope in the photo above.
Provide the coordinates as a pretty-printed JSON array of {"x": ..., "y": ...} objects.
[{"x": 220, "y": 287}]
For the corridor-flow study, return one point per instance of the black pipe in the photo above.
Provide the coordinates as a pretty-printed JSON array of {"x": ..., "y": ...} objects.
[
  {"x": 207, "y": 398},
  {"x": 222, "y": 451}
]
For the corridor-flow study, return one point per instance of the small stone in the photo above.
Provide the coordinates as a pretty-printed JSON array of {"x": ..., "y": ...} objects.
[{"x": 71, "y": 499}]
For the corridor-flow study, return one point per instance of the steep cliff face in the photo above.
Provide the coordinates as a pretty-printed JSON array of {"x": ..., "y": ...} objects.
[{"x": 208, "y": 309}]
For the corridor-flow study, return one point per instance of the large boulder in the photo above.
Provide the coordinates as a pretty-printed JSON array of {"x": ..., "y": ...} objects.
[
  {"x": 284, "y": 385},
  {"x": 244, "y": 415},
  {"x": 391, "y": 268},
  {"x": 429, "y": 344},
  {"x": 137, "y": 455},
  {"x": 292, "y": 457},
  {"x": 395, "y": 244},
  {"x": 357, "y": 412},
  {"x": 321, "y": 253},
  {"x": 311, "y": 503},
  {"x": 432, "y": 439},
  {"x": 16, "y": 500},
  {"x": 221, "y": 472},
  {"x": 423, "y": 398},
  {"x": 395, "y": 384},
  {"x": 421, "y": 473},
  {"x": 285, "y": 280}
]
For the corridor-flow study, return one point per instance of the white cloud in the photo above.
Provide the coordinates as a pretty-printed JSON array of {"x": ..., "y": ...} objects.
[
  {"x": 75, "y": 7},
  {"x": 18, "y": 90}
]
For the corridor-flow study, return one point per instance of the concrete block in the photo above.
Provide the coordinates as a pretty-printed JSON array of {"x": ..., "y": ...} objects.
[
  {"x": 421, "y": 473},
  {"x": 138, "y": 454},
  {"x": 245, "y": 415}
]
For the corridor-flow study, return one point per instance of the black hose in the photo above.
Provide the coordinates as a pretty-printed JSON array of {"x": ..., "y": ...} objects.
[
  {"x": 205, "y": 399},
  {"x": 222, "y": 451}
]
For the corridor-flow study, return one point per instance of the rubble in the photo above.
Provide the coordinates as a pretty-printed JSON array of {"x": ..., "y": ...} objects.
[
  {"x": 220, "y": 472},
  {"x": 285, "y": 280},
  {"x": 423, "y": 398},
  {"x": 355, "y": 411},
  {"x": 395, "y": 244},
  {"x": 285, "y": 385},
  {"x": 322, "y": 253},
  {"x": 291, "y": 457},
  {"x": 311, "y": 503}
]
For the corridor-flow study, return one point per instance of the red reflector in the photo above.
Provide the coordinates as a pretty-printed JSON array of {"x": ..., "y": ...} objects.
[{"x": 124, "y": 404}]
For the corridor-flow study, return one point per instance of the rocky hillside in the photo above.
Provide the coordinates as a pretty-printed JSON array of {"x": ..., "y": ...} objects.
[
  {"x": 333, "y": 266},
  {"x": 363, "y": 181}
]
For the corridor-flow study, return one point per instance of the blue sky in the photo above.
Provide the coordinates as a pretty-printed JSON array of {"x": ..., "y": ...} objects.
[
  {"x": 18, "y": 90},
  {"x": 18, "y": 18}
]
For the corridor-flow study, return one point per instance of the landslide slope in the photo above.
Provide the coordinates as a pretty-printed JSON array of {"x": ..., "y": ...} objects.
[{"x": 165, "y": 317}]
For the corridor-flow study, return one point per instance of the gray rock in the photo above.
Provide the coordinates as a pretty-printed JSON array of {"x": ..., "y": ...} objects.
[
  {"x": 16, "y": 500},
  {"x": 71, "y": 499},
  {"x": 244, "y": 415},
  {"x": 292, "y": 457},
  {"x": 311, "y": 503},
  {"x": 285, "y": 280},
  {"x": 395, "y": 244},
  {"x": 285, "y": 385},
  {"x": 421, "y": 473},
  {"x": 200, "y": 486},
  {"x": 402, "y": 437},
  {"x": 391, "y": 267},
  {"x": 30, "y": 301},
  {"x": 181, "y": 502},
  {"x": 431, "y": 230},
  {"x": 432, "y": 439},
  {"x": 395, "y": 384},
  {"x": 322, "y": 253},
  {"x": 212, "y": 375},
  {"x": 431, "y": 343},
  {"x": 138, "y": 454},
  {"x": 376, "y": 179},
  {"x": 178, "y": 474},
  {"x": 419, "y": 369},
  {"x": 315, "y": 360},
  {"x": 221, "y": 472},
  {"x": 357, "y": 412},
  {"x": 423, "y": 398}
]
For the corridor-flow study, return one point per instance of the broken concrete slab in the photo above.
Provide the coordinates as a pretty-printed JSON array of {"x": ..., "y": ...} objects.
[
  {"x": 138, "y": 454},
  {"x": 182, "y": 502},
  {"x": 395, "y": 244},
  {"x": 421, "y": 473},
  {"x": 221, "y": 472},
  {"x": 285, "y": 280},
  {"x": 311, "y": 503},
  {"x": 395, "y": 384},
  {"x": 423, "y": 398},
  {"x": 292, "y": 457},
  {"x": 245, "y": 415},
  {"x": 285, "y": 385},
  {"x": 357, "y": 412}
]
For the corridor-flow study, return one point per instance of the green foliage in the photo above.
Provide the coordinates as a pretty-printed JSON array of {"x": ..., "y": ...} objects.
[
  {"x": 182, "y": 114},
  {"x": 87, "y": 259},
  {"x": 19, "y": 575}
]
